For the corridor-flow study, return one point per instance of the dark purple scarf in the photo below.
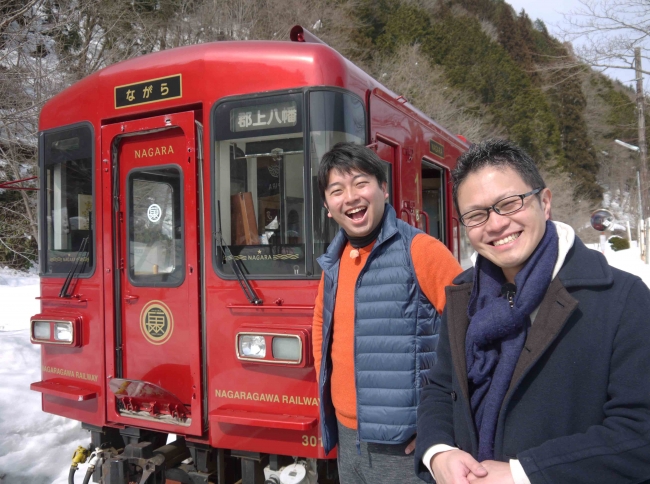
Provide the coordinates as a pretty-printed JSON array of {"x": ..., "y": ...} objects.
[{"x": 497, "y": 332}]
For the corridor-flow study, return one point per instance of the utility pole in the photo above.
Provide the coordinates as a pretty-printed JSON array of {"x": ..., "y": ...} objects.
[
  {"x": 643, "y": 149},
  {"x": 640, "y": 111}
]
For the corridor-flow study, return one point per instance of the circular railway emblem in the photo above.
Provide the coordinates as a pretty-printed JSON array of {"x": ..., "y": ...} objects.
[
  {"x": 154, "y": 212},
  {"x": 156, "y": 322}
]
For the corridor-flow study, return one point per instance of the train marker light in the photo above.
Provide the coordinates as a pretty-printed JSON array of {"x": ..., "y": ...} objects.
[
  {"x": 252, "y": 346},
  {"x": 41, "y": 330},
  {"x": 288, "y": 348}
]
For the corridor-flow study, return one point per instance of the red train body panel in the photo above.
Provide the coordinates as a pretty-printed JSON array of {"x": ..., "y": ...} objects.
[{"x": 202, "y": 137}]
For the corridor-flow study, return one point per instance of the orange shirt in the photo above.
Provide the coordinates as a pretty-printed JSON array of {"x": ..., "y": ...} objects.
[{"x": 435, "y": 268}]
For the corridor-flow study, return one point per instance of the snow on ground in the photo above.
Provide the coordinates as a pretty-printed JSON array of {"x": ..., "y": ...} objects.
[
  {"x": 35, "y": 447},
  {"x": 629, "y": 260}
]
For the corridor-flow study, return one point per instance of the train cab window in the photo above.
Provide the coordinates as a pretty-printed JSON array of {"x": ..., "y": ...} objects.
[
  {"x": 333, "y": 117},
  {"x": 155, "y": 229},
  {"x": 260, "y": 179},
  {"x": 67, "y": 201},
  {"x": 433, "y": 200}
]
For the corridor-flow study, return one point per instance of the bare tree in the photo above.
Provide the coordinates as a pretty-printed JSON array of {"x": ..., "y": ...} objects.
[
  {"x": 21, "y": 95},
  {"x": 608, "y": 31}
]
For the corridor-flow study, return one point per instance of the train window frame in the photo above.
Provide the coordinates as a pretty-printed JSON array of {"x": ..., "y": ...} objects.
[
  {"x": 426, "y": 161},
  {"x": 316, "y": 270},
  {"x": 311, "y": 272},
  {"x": 42, "y": 200},
  {"x": 217, "y": 127},
  {"x": 128, "y": 182}
]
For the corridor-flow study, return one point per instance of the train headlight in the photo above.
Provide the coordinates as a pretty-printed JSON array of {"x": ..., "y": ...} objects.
[
  {"x": 41, "y": 330},
  {"x": 287, "y": 348},
  {"x": 252, "y": 346},
  {"x": 284, "y": 348},
  {"x": 55, "y": 331},
  {"x": 63, "y": 332}
]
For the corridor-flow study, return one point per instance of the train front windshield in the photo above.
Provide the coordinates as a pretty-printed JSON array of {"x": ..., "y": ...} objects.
[{"x": 267, "y": 156}]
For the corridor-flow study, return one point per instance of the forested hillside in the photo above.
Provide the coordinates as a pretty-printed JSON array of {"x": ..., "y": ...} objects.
[{"x": 476, "y": 66}]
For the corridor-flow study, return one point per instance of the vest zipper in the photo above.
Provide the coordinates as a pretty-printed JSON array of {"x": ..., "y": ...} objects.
[{"x": 356, "y": 383}]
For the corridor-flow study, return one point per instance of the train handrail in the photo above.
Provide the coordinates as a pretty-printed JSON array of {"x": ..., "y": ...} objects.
[
  {"x": 262, "y": 419},
  {"x": 74, "y": 298},
  {"x": 408, "y": 215},
  {"x": 284, "y": 307},
  {"x": 426, "y": 220}
]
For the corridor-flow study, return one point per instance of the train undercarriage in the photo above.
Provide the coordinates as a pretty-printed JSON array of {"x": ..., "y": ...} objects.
[{"x": 132, "y": 455}]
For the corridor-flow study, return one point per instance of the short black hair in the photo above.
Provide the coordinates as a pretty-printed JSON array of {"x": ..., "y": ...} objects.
[
  {"x": 499, "y": 153},
  {"x": 345, "y": 157}
]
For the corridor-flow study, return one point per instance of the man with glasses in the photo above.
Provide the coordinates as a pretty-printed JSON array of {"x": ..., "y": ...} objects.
[{"x": 544, "y": 350}]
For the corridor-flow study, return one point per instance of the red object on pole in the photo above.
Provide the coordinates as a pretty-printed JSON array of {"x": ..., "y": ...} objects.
[{"x": 8, "y": 184}]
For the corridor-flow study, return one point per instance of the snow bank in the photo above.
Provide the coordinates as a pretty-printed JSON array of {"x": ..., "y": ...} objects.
[
  {"x": 18, "y": 300},
  {"x": 35, "y": 447},
  {"x": 627, "y": 260}
]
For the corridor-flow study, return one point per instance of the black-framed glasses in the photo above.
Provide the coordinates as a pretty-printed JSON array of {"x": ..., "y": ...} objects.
[{"x": 505, "y": 206}]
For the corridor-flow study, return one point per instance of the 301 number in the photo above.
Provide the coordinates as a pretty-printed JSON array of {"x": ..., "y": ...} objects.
[{"x": 311, "y": 441}]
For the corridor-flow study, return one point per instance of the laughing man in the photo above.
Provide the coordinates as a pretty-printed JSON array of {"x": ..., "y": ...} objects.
[{"x": 375, "y": 322}]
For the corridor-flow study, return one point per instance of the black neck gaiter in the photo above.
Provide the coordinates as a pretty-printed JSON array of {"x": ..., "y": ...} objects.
[{"x": 358, "y": 242}]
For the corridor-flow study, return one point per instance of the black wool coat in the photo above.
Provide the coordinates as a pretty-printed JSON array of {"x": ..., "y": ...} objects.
[{"x": 578, "y": 406}]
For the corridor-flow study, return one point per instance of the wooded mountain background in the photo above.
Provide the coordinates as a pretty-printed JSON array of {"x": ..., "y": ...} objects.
[{"x": 477, "y": 67}]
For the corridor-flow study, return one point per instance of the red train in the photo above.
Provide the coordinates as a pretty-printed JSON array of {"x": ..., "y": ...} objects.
[{"x": 180, "y": 224}]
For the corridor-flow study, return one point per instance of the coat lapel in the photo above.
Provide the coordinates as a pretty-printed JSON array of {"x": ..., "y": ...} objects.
[
  {"x": 554, "y": 311},
  {"x": 457, "y": 321}
]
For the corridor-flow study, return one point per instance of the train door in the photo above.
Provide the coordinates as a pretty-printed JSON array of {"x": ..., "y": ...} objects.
[
  {"x": 389, "y": 128},
  {"x": 432, "y": 219},
  {"x": 157, "y": 330}
]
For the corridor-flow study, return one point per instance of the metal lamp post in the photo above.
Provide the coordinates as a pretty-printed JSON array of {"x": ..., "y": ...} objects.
[{"x": 641, "y": 231}]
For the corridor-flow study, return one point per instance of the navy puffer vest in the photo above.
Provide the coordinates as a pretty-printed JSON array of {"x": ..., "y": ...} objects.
[{"x": 395, "y": 337}]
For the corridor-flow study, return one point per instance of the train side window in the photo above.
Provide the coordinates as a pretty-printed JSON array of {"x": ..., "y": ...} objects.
[
  {"x": 155, "y": 228},
  {"x": 67, "y": 200},
  {"x": 333, "y": 117},
  {"x": 388, "y": 170},
  {"x": 433, "y": 200}
]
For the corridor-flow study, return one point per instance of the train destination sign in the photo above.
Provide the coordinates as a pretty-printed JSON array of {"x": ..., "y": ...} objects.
[
  {"x": 151, "y": 91},
  {"x": 264, "y": 116}
]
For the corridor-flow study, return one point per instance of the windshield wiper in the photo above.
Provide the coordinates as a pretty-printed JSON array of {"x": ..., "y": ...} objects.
[
  {"x": 249, "y": 292},
  {"x": 74, "y": 271}
]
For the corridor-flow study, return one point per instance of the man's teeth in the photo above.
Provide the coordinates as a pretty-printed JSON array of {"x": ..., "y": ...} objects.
[
  {"x": 355, "y": 210},
  {"x": 507, "y": 239}
]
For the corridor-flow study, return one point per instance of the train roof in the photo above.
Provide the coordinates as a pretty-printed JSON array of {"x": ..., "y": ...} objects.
[{"x": 212, "y": 71}]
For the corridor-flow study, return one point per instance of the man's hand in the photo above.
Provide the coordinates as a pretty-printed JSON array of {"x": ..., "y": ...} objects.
[
  {"x": 411, "y": 447},
  {"x": 497, "y": 473},
  {"x": 456, "y": 467}
]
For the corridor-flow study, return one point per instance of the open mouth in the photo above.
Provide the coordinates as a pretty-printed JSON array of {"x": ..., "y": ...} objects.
[
  {"x": 357, "y": 213},
  {"x": 507, "y": 239}
]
